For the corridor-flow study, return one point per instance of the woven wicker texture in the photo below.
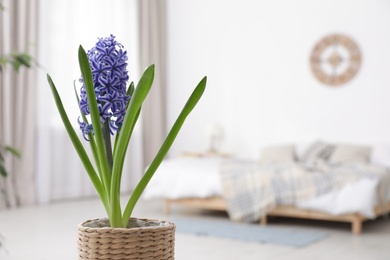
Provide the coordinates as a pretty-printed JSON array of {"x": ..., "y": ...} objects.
[{"x": 151, "y": 242}]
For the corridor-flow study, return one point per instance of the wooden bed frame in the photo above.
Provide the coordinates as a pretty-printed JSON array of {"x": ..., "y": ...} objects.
[{"x": 218, "y": 203}]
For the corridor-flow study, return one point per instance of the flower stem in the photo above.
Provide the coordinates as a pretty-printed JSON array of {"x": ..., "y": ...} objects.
[
  {"x": 115, "y": 209},
  {"x": 107, "y": 144}
]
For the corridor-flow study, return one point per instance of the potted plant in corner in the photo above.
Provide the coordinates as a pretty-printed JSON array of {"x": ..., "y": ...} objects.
[{"x": 108, "y": 108}]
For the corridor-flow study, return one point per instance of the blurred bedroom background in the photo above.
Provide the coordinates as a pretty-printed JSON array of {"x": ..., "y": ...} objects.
[
  {"x": 256, "y": 54},
  {"x": 261, "y": 88}
]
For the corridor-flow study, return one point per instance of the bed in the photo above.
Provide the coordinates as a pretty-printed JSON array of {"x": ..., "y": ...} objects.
[{"x": 347, "y": 183}]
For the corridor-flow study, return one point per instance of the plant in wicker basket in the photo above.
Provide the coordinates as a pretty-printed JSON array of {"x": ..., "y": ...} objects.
[{"x": 108, "y": 108}]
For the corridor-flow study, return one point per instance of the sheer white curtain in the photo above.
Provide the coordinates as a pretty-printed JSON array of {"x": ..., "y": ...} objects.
[
  {"x": 152, "y": 24},
  {"x": 64, "y": 25},
  {"x": 18, "y": 33}
]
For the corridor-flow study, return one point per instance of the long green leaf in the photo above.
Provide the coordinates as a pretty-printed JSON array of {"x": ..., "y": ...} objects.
[
  {"x": 189, "y": 106},
  {"x": 131, "y": 131},
  {"x": 133, "y": 108},
  {"x": 3, "y": 171},
  {"x": 91, "y": 138},
  {"x": 129, "y": 92},
  {"x": 79, "y": 147},
  {"x": 95, "y": 117},
  {"x": 13, "y": 151}
]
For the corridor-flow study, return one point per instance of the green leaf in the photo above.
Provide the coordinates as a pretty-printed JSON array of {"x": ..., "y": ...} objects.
[
  {"x": 4, "y": 149},
  {"x": 189, "y": 106},
  {"x": 20, "y": 59},
  {"x": 3, "y": 171},
  {"x": 129, "y": 121},
  {"x": 16, "y": 60},
  {"x": 79, "y": 147},
  {"x": 91, "y": 138},
  {"x": 16, "y": 65},
  {"x": 24, "y": 59},
  {"x": 131, "y": 131},
  {"x": 132, "y": 110},
  {"x": 3, "y": 60},
  {"x": 95, "y": 117},
  {"x": 129, "y": 92},
  {"x": 13, "y": 151}
]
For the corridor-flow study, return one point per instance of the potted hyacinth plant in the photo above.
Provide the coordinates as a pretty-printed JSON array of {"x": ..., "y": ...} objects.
[{"x": 108, "y": 107}]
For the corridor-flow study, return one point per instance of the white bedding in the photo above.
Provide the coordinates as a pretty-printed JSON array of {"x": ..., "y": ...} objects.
[
  {"x": 360, "y": 197},
  {"x": 200, "y": 178},
  {"x": 186, "y": 177}
]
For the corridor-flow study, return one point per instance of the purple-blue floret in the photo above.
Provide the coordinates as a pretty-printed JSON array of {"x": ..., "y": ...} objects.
[
  {"x": 108, "y": 62},
  {"x": 86, "y": 129}
]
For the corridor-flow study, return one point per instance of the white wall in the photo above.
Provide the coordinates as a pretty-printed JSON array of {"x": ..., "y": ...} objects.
[{"x": 260, "y": 87}]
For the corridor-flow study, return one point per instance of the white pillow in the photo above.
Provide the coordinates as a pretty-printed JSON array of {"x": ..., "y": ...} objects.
[
  {"x": 301, "y": 148},
  {"x": 380, "y": 155},
  {"x": 278, "y": 154},
  {"x": 350, "y": 153}
]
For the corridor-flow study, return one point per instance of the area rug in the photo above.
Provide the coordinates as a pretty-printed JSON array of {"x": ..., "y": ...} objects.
[{"x": 287, "y": 236}]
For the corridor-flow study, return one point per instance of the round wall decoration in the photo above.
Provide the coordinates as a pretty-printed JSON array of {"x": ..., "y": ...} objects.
[{"x": 335, "y": 59}]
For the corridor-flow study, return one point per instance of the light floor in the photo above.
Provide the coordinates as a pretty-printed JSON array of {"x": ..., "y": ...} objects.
[{"x": 49, "y": 233}]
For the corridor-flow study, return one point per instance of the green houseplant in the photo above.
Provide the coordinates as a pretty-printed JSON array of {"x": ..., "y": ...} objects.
[{"x": 114, "y": 110}]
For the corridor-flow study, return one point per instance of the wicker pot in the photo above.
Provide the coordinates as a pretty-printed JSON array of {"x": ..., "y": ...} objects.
[{"x": 143, "y": 239}]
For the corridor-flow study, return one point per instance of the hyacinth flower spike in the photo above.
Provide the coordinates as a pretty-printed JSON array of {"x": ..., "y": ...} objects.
[{"x": 113, "y": 110}]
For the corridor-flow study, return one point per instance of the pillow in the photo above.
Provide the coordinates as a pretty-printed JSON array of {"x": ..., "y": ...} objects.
[
  {"x": 301, "y": 147},
  {"x": 350, "y": 153},
  {"x": 317, "y": 151},
  {"x": 278, "y": 154},
  {"x": 380, "y": 155}
]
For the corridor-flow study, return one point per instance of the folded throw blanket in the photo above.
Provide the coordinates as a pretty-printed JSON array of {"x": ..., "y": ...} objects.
[{"x": 251, "y": 189}]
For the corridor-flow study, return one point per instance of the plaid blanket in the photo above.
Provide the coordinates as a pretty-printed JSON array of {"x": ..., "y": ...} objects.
[{"x": 251, "y": 190}]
